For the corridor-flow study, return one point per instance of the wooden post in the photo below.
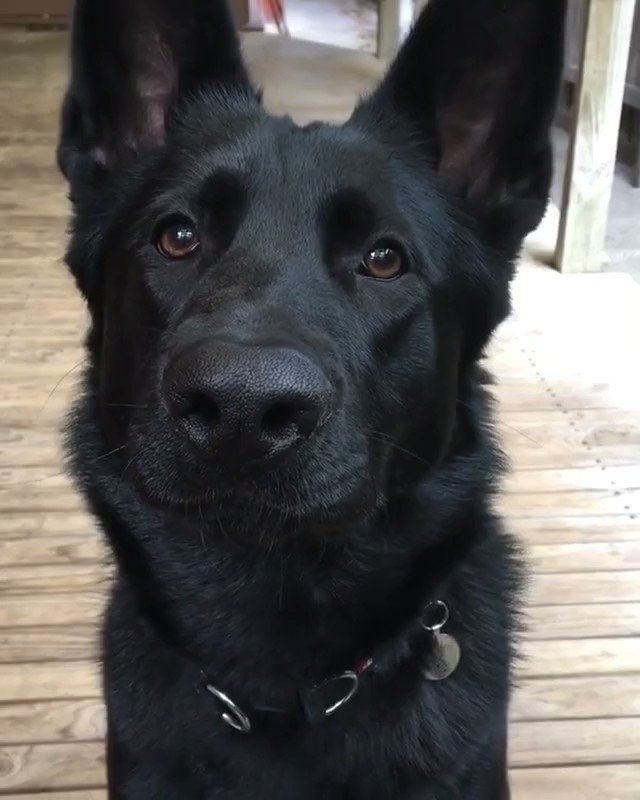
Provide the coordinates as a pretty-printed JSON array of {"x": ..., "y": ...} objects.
[
  {"x": 418, "y": 7},
  {"x": 389, "y": 32},
  {"x": 592, "y": 152}
]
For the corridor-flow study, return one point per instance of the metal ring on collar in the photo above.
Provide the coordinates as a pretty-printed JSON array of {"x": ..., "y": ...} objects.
[
  {"x": 441, "y": 615},
  {"x": 354, "y": 683},
  {"x": 236, "y": 719}
]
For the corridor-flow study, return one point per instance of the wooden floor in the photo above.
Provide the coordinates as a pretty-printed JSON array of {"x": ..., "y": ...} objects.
[{"x": 568, "y": 363}]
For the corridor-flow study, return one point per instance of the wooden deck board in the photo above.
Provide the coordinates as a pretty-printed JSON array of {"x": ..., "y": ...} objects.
[{"x": 569, "y": 418}]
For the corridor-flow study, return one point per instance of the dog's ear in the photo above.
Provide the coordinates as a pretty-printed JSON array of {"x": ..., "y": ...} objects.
[
  {"x": 132, "y": 62},
  {"x": 476, "y": 83}
]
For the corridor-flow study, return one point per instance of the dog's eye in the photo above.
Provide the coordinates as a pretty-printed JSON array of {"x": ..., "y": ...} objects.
[
  {"x": 177, "y": 239},
  {"x": 384, "y": 262}
]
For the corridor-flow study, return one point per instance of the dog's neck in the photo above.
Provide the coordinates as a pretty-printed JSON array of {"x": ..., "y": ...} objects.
[{"x": 308, "y": 605}]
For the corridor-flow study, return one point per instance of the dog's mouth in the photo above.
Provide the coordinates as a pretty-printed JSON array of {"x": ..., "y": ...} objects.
[{"x": 322, "y": 484}]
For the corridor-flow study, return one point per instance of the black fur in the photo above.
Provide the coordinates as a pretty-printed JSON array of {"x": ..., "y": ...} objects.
[{"x": 266, "y": 581}]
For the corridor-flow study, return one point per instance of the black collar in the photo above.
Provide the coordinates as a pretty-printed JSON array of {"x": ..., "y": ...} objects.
[{"x": 315, "y": 704}]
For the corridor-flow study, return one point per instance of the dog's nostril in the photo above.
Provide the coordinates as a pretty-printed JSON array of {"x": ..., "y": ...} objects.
[
  {"x": 279, "y": 418},
  {"x": 286, "y": 419},
  {"x": 200, "y": 406}
]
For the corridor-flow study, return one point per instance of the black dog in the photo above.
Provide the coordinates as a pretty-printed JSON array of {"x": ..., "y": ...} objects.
[{"x": 283, "y": 431}]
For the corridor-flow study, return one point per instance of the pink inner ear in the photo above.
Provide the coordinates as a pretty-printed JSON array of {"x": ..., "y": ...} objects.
[
  {"x": 464, "y": 165},
  {"x": 155, "y": 88},
  {"x": 472, "y": 123},
  {"x": 467, "y": 127}
]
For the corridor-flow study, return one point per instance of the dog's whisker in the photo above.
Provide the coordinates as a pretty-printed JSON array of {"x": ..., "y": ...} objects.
[
  {"x": 126, "y": 468},
  {"x": 501, "y": 421},
  {"x": 126, "y": 405},
  {"x": 60, "y": 474},
  {"x": 110, "y": 453},
  {"x": 61, "y": 380},
  {"x": 378, "y": 436}
]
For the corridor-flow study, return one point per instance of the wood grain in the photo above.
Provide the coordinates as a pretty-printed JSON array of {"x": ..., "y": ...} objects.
[
  {"x": 51, "y": 721},
  {"x": 48, "y": 680},
  {"x": 595, "y": 137},
  {"x": 613, "y": 782},
  {"x": 72, "y": 794},
  {"x": 575, "y": 741},
  {"x": 56, "y": 766},
  {"x": 576, "y": 697}
]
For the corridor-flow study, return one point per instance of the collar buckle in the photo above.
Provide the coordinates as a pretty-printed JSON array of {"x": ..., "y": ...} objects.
[{"x": 324, "y": 699}]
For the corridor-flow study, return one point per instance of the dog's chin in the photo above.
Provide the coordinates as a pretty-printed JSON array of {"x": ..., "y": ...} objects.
[{"x": 280, "y": 500}]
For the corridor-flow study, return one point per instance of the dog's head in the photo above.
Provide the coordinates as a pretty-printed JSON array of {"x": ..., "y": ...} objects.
[{"x": 286, "y": 317}]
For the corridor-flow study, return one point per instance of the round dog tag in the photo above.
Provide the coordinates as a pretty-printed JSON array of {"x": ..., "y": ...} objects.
[{"x": 443, "y": 659}]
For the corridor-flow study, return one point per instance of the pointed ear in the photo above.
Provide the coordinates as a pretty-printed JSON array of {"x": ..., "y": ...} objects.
[
  {"x": 477, "y": 82},
  {"x": 132, "y": 62}
]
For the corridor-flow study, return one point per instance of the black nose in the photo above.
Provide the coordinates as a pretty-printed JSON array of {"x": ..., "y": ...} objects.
[{"x": 244, "y": 404}]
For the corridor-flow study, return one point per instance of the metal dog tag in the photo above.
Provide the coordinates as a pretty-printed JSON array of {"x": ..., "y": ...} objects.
[
  {"x": 443, "y": 659},
  {"x": 445, "y": 652}
]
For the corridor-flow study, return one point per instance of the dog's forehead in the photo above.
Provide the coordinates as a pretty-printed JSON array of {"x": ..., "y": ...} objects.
[{"x": 272, "y": 152}]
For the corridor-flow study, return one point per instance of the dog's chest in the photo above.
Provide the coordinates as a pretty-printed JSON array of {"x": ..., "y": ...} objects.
[{"x": 401, "y": 731}]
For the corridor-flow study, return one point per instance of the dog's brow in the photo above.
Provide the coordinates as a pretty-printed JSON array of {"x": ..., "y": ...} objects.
[
  {"x": 220, "y": 185},
  {"x": 348, "y": 215}
]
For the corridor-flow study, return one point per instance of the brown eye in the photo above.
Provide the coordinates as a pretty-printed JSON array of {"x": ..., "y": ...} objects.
[
  {"x": 384, "y": 262},
  {"x": 177, "y": 239}
]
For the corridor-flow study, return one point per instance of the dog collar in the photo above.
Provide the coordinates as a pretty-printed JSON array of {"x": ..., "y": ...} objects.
[{"x": 324, "y": 699}]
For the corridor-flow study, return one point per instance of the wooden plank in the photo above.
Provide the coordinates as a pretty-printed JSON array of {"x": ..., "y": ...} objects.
[
  {"x": 389, "y": 32},
  {"x": 572, "y": 530},
  {"x": 48, "y": 643},
  {"x": 24, "y": 580},
  {"x": 582, "y": 587},
  {"x": 550, "y": 504},
  {"x": 525, "y": 398},
  {"x": 554, "y": 480},
  {"x": 583, "y": 557},
  {"x": 583, "y": 741},
  {"x": 24, "y": 524},
  {"x": 50, "y": 374},
  {"x": 579, "y": 657},
  {"x": 567, "y": 451},
  {"x": 36, "y": 488},
  {"x": 50, "y": 721},
  {"x": 583, "y": 620},
  {"x": 594, "y": 142},
  {"x": 70, "y": 794},
  {"x": 48, "y": 681},
  {"x": 56, "y": 766},
  {"x": 575, "y": 698},
  {"x": 51, "y": 550},
  {"x": 610, "y": 781},
  {"x": 73, "y": 608}
]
